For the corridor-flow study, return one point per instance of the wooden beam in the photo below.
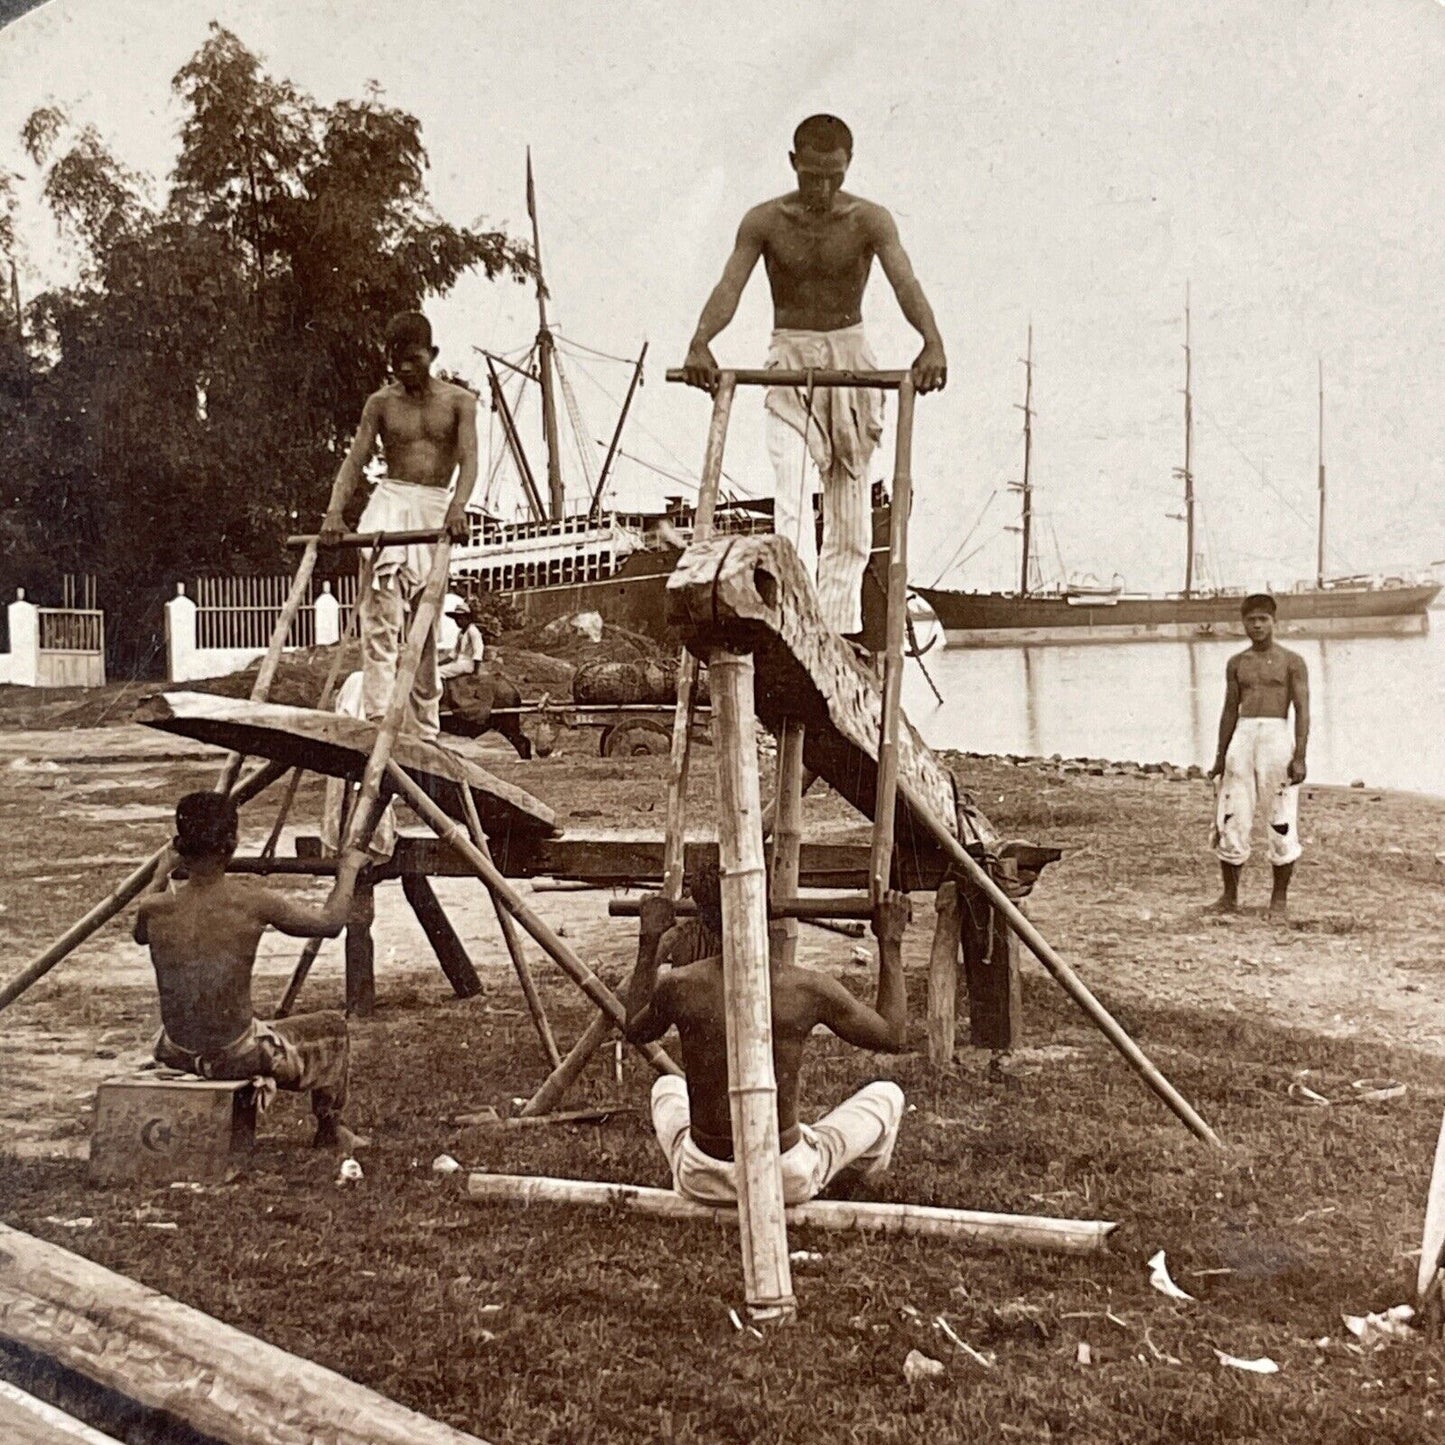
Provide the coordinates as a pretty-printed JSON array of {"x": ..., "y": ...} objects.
[
  {"x": 1019, "y": 1231},
  {"x": 456, "y": 962},
  {"x": 171, "y": 1360},
  {"x": 787, "y": 840},
  {"x": 943, "y": 975},
  {"x": 611, "y": 859},
  {"x": 868, "y": 380},
  {"x": 747, "y": 991},
  {"x": 360, "y": 952},
  {"x": 682, "y": 722},
  {"x": 886, "y": 793},
  {"x": 991, "y": 970}
]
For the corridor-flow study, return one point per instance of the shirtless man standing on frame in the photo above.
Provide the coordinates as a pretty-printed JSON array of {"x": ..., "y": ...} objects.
[
  {"x": 428, "y": 431},
  {"x": 817, "y": 244},
  {"x": 1261, "y": 758}
]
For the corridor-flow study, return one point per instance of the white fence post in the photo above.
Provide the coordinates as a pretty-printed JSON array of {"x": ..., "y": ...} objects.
[
  {"x": 22, "y": 665},
  {"x": 327, "y": 612},
  {"x": 180, "y": 635}
]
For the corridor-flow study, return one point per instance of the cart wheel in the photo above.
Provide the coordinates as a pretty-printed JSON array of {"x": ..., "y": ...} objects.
[
  {"x": 636, "y": 740},
  {"x": 604, "y": 742}
]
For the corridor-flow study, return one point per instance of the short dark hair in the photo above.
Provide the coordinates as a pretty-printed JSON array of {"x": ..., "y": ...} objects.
[
  {"x": 408, "y": 328},
  {"x": 823, "y": 133},
  {"x": 1258, "y": 602},
  {"x": 705, "y": 886},
  {"x": 206, "y": 825}
]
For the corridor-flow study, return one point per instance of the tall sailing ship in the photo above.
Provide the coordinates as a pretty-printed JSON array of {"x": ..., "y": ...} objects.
[
  {"x": 574, "y": 554},
  {"x": 1090, "y": 613}
]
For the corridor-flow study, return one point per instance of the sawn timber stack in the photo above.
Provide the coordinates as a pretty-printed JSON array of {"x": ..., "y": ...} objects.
[{"x": 751, "y": 594}]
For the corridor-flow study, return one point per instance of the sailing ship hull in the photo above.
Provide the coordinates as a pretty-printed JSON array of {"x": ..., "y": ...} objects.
[
  {"x": 633, "y": 596},
  {"x": 1001, "y": 619}
]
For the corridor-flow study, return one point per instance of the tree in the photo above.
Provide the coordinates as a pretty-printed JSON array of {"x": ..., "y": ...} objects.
[{"x": 193, "y": 389}]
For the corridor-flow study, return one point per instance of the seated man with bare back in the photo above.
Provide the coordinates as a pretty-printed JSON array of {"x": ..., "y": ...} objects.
[
  {"x": 1261, "y": 758},
  {"x": 203, "y": 939},
  {"x": 428, "y": 431},
  {"x": 693, "y": 1117},
  {"x": 818, "y": 244}
]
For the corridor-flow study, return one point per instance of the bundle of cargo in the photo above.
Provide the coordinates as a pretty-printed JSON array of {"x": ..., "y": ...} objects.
[{"x": 631, "y": 684}]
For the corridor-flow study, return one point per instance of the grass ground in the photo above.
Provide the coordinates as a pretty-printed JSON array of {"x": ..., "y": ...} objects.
[{"x": 551, "y": 1326}]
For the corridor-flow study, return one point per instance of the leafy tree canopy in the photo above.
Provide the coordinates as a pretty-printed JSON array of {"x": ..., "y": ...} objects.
[{"x": 189, "y": 396}]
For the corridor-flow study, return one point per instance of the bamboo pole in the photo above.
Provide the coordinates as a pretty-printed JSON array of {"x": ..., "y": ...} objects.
[
  {"x": 124, "y": 891},
  {"x": 943, "y": 974},
  {"x": 787, "y": 839},
  {"x": 1010, "y": 1231},
  {"x": 675, "y": 847},
  {"x": 348, "y": 541},
  {"x": 567, "y": 960},
  {"x": 556, "y": 1084},
  {"x": 747, "y": 992},
  {"x": 309, "y": 952},
  {"x": 1071, "y": 983},
  {"x": 883, "y": 811},
  {"x": 513, "y": 942},
  {"x": 266, "y": 673}
]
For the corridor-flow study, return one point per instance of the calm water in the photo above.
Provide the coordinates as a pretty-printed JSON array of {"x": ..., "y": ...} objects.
[{"x": 1376, "y": 703}]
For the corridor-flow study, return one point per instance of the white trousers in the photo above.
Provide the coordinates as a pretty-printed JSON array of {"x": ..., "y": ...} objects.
[
  {"x": 383, "y": 837},
  {"x": 398, "y": 578},
  {"x": 832, "y": 440},
  {"x": 1256, "y": 775},
  {"x": 862, "y": 1130}
]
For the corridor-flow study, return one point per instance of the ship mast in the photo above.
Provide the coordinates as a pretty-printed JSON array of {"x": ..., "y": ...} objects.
[
  {"x": 1186, "y": 472},
  {"x": 1027, "y": 488},
  {"x": 1320, "y": 550},
  {"x": 555, "y": 496}
]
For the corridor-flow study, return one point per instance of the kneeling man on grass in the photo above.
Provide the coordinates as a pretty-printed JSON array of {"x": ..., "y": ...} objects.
[
  {"x": 203, "y": 939},
  {"x": 693, "y": 1118}
]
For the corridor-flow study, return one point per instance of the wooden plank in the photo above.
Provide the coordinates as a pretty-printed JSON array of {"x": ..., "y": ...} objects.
[
  {"x": 751, "y": 594},
  {"x": 227, "y": 1386},
  {"x": 1022, "y": 1231},
  {"x": 24, "y": 1420},
  {"x": 943, "y": 975},
  {"x": 338, "y": 747}
]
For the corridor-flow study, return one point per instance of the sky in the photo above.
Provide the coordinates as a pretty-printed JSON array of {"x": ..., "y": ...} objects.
[{"x": 1067, "y": 166}]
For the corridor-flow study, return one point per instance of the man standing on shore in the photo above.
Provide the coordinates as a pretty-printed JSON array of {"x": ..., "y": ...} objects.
[
  {"x": 1261, "y": 759},
  {"x": 817, "y": 244},
  {"x": 428, "y": 431}
]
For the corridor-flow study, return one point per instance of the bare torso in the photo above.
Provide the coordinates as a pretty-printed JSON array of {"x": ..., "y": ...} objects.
[
  {"x": 696, "y": 1004},
  {"x": 421, "y": 432},
  {"x": 203, "y": 945},
  {"x": 1264, "y": 679},
  {"x": 818, "y": 261}
]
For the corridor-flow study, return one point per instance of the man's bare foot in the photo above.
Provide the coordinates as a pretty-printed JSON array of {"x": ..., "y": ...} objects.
[
  {"x": 1278, "y": 910},
  {"x": 339, "y": 1138},
  {"x": 1222, "y": 905}
]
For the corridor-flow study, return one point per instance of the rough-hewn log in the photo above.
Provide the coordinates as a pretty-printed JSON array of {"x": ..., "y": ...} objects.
[
  {"x": 360, "y": 952},
  {"x": 1065, "y": 1236},
  {"x": 338, "y": 747},
  {"x": 164, "y": 1356},
  {"x": 24, "y": 1420},
  {"x": 751, "y": 593}
]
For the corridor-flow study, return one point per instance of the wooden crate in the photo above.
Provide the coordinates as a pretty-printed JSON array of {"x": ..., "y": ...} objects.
[{"x": 168, "y": 1129}]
